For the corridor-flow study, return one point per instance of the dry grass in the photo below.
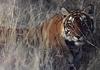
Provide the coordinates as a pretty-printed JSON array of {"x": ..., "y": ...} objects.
[{"x": 15, "y": 24}]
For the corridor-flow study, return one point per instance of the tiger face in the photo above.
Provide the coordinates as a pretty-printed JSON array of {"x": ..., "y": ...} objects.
[{"x": 77, "y": 27}]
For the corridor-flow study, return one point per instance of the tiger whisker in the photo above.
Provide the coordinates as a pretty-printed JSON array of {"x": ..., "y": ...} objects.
[
  {"x": 87, "y": 40},
  {"x": 92, "y": 44},
  {"x": 91, "y": 36}
]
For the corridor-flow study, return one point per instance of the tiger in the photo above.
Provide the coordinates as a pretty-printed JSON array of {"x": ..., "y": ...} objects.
[{"x": 65, "y": 34}]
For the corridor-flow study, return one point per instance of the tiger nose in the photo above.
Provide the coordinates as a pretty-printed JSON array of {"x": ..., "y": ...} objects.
[{"x": 78, "y": 37}]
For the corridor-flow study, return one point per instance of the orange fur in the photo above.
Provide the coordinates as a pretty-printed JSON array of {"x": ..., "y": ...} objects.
[{"x": 49, "y": 32}]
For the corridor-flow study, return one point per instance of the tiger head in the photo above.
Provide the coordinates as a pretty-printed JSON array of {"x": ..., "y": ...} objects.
[{"x": 77, "y": 26}]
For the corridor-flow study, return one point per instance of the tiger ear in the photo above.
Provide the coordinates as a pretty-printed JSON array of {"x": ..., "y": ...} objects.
[
  {"x": 90, "y": 10},
  {"x": 64, "y": 12}
]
